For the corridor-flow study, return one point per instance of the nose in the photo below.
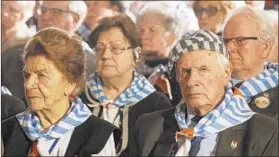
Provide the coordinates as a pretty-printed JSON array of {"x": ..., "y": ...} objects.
[
  {"x": 144, "y": 34},
  {"x": 193, "y": 79},
  {"x": 31, "y": 82},
  {"x": 203, "y": 15},
  {"x": 107, "y": 53},
  {"x": 231, "y": 48}
]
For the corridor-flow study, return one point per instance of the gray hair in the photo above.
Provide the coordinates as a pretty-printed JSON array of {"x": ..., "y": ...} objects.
[
  {"x": 257, "y": 16},
  {"x": 223, "y": 61},
  {"x": 177, "y": 17}
]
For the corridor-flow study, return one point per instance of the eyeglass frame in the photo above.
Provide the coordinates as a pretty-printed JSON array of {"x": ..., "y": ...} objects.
[
  {"x": 239, "y": 39},
  {"x": 55, "y": 9},
  {"x": 206, "y": 10},
  {"x": 122, "y": 49}
]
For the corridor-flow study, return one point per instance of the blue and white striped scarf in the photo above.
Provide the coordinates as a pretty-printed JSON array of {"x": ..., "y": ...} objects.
[
  {"x": 139, "y": 89},
  {"x": 234, "y": 109},
  {"x": 30, "y": 123}
]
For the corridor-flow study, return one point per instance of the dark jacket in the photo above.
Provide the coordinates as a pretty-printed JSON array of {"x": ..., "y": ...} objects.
[
  {"x": 10, "y": 106},
  {"x": 154, "y": 102},
  {"x": 88, "y": 138},
  {"x": 272, "y": 109},
  {"x": 155, "y": 136}
]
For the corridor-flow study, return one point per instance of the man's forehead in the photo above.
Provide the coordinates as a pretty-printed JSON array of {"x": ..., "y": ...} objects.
[
  {"x": 56, "y": 4},
  {"x": 240, "y": 25},
  {"x": 198, "y": 57}
]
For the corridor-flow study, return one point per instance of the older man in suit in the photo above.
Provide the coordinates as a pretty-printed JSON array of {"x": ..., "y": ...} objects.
[
  {"x": 212, "y": 119},
  {"x": 249, "y": 38}
]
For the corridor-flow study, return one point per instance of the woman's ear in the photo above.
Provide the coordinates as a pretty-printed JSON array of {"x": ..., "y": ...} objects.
[{"x": 70, "y": 87}]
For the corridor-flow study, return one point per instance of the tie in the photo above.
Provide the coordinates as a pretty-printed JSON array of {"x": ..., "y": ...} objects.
[
  {"x": 34, "y": 150},
  {"x": 195, "y": 143}
]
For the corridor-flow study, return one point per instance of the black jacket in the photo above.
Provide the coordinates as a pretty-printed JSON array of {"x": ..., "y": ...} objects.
[
  {"x": 154, "y": 102},
  {"x": 155, "y": 136},
  {"x": 10, "y": 106},
  {"x": 88, "y": 138}
]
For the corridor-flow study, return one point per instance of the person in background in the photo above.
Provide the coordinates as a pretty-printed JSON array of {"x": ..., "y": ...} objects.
[
  {"x": 66, "y": 15},
  {"x": 272, "y": 15},
  {"x": 56, "y": 117},
  {"x": 96, "y": 11},
  {"x": 116, "y": 92},
  {"x": 256, "y": 4},
  {"x": 12, "y": 17},
  {"x": 161, "y": 24},
  {"x": 212, "y": 119},
  {"x": 211, "y": 14},
  {"x": 249, "y": 37}
]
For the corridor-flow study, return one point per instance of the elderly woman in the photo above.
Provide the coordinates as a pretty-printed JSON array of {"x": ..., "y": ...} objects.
[
  {"x": 117, "y": 93},
  {"x": 211, "y": 14},
  {"x": 56, "y": 123}
]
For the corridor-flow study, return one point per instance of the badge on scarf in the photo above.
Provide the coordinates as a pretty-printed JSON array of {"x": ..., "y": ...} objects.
[{"x": 262, "y": 101}]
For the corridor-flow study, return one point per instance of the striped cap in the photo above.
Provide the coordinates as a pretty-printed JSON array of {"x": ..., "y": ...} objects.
[{"x": 198, "y": 40}]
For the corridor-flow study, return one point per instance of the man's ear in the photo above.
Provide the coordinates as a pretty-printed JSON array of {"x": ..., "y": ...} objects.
[
  {"x": 76, "y": 19},
  {"x": 171, "y": 38},
  {"x": 228, "y": 73},
  {"x": 267, "y": 45}
]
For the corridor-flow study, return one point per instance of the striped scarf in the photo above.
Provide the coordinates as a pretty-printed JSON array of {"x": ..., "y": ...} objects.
[
  {"x": 77, "y": 114},
  {"x": 139, "y": 89},
  {"x": 234, "y": 109}
]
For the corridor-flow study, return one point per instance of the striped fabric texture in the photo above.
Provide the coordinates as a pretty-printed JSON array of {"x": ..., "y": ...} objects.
[
  {"x": 234, "y": 109},
  {"x": 195, "y": 41},
  {"x": 139, "y": 89},
  {"x": 30, "y": 123}
]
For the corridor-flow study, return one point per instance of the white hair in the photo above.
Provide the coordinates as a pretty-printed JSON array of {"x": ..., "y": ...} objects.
[
  {"x": 257, "y": 16},
  {"x": 223, "y": 61},
  {"x": 178, "y": 18},
  {"x": 80, "y": 8}
]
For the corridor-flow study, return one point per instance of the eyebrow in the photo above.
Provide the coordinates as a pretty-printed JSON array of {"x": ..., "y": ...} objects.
[{"x": 37, "y": 71}]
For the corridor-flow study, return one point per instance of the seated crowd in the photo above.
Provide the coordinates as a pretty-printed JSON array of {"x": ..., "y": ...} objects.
[{"x": 139, "y": 78}]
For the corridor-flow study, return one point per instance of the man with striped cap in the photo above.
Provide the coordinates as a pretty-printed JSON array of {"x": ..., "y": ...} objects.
[{"x": 212, "y": 119}]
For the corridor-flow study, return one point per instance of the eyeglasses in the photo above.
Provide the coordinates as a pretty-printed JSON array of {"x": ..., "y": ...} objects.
[
  {"x": 239, "y": 41},
  {"x": 211, "y": 10},
  {"x": 54, "y": 11},
  {"x": 115, "y": 48}
]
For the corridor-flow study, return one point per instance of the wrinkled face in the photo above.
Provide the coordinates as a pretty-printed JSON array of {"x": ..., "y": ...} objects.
[
  {"x": 112, "y": 58},
  {"x": 95, "y": 10},
  {"x": 154, "y": 35},
  {"x": 202, "y": 81},
  {"x": 210, "y": 15},
  {"x": 244, "y": 54},
  {"x": 44, "y": 83},
  {"x": 56, "y": 14},
  {"x": 12, "y": 13}
]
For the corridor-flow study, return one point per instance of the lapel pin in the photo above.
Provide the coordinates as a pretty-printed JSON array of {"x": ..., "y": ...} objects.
[
  {"x": 262, "y": 101},
  {"x": 234, "y": 144}
]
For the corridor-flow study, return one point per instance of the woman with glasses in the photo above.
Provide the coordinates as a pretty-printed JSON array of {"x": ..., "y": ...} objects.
[
  {"x": 116, "y": 92},
  {"x": 211, "y": 14}
]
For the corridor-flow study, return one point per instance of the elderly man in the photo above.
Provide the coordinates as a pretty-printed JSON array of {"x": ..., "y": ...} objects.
[
  {"x": 66, "y": 15},
  {"x": 12, "y": 18},
  {"x": 211, "y": 119},
  {"x": 161, "y": 24},
  {"x": 249, "y": 37}
]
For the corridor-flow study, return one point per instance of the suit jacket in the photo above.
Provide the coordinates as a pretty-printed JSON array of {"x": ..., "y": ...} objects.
[
  {"x": 155, "y": 136},
  {"x": 88, "y": 138},
  {"x": 272, "y": 109}
]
